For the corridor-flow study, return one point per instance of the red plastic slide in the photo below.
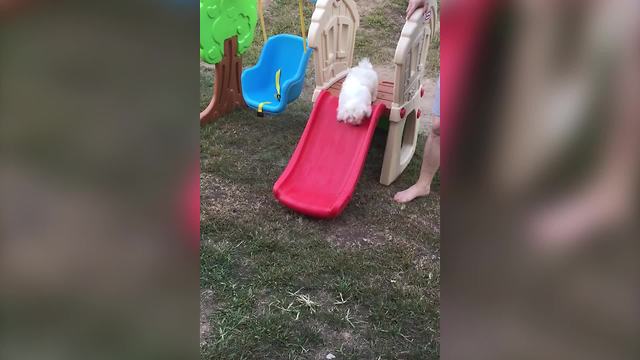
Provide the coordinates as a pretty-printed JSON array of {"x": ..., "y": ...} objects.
[{"x": 324, "y": 169}]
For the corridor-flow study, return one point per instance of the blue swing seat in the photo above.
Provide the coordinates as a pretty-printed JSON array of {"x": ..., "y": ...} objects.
[{"x": 281, "y": 52}]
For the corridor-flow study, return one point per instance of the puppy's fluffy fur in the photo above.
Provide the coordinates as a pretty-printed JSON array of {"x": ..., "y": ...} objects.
[{"x": 359, "y": 90}]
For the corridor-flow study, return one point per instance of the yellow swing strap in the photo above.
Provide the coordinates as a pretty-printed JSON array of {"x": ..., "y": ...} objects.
[
  {"x": 261, "y": 12},
  {"x": 260, "y": 106},
  {"x": 278, "y": 95},
  {"x": 302, "y": 26}
]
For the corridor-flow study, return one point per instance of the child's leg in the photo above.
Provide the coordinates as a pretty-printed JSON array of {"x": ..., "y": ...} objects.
[
  {"x": 430, "y": 165},
  {"x": 430, "y": 159}
]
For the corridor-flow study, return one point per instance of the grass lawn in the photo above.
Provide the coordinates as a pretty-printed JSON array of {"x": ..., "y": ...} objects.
[{"x": 277, "y": 285}]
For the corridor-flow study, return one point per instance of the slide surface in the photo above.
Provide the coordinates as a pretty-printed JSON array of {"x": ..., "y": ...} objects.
[{"x": 324, "y": 169}]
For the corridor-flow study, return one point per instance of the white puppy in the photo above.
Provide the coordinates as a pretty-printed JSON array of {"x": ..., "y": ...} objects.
[{"x": 359, "y": 90}]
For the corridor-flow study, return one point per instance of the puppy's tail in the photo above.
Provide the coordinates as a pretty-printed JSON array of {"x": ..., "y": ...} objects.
[{"x": 365, "y": 63}]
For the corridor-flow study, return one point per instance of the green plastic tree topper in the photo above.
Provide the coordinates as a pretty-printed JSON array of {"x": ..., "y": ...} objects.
[{"x": 224, "y": 19}]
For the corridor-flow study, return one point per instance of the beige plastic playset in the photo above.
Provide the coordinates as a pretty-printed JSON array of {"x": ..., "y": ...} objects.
[{"x": 332, "y": 37}]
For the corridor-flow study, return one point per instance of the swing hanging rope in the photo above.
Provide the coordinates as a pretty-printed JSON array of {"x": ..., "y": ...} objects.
[
  {"x": 264, "y": 30},
  {"x": 303, "y": 25}
]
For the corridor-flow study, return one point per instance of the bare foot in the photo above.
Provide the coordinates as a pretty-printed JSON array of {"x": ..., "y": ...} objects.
[
  {"x": 416, "y": 191},
  {"x": 575, "y": 219}
]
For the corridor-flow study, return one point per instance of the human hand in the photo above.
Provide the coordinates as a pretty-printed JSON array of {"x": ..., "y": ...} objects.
[{"x": 415, "y": 5}]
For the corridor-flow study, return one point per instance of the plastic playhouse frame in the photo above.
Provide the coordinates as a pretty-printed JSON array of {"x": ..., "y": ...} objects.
[{"x": 332, "y": 36}]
